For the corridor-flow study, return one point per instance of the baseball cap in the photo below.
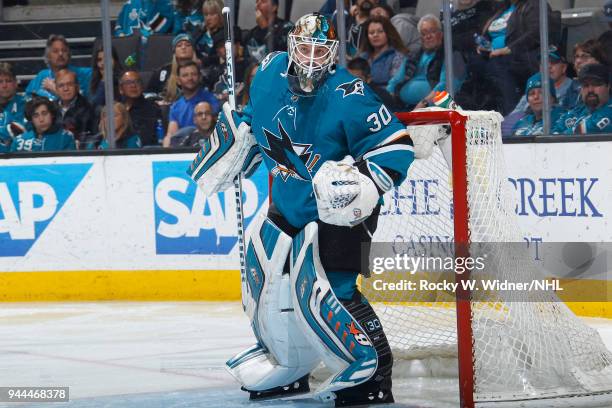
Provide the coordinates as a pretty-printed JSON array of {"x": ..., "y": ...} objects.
[
  {"x": 179, "y": 38},
  {"x": 535, "y": 81},
  {"x": 554, "y": 55},
  {"x": 595, "y": 71}
]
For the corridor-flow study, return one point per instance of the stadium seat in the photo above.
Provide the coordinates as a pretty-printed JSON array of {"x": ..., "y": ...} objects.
[
  {"x": 582, "y": 24},
  {"x": 145, "y": 77},
  {"x": 158, "y": 51},
  {"x": 588, "y": 3},
  {"x": 428, "y": 7},
  {"x": 299, "y": 8},
  {"x": 128, "y": 49},
  {"x": 559, "y": 4}
]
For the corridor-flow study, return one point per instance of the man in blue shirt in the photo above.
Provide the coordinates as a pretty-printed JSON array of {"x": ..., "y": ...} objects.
[
  {"x": 57, "y": 56},
  {"x": 12, "y": 121},
  {"x": 181, "y": 111},
  {"x": 594, "y": 115}
]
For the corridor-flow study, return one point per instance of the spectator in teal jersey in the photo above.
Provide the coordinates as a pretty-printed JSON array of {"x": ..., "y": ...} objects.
[
  {"x": 270, "y": 33},
  {"x": 585, "y": 53},
  {"x": 594, "y": 114},
  {"x": 210, "y": 31},
  {"x": 47, "y": 134},
  {"x": 149, "y": 16},
  {"x": 419, "y": 78},
  {"x": 532, "y": 123},
  {"x": 125, "y": 137},
  {"x": 57, "y": 57},
  {"x": 12, "y": 107},
  {"x": 187, "y": 16}
]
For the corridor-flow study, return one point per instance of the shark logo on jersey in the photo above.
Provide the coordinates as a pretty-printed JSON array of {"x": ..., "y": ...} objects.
[
  {"x": 355, "y": 87},
  {"x": 292, "y": 159},
  {"x": 359, "y": 336}
]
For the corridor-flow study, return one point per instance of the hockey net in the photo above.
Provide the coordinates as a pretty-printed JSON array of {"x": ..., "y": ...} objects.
[{"x": 509, "y": 349}]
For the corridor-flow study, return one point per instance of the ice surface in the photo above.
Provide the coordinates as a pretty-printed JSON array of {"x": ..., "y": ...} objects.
[{"x": 135, "y": 354}]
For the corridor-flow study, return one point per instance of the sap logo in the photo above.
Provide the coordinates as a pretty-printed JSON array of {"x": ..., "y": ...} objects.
[
  {"x": 187, "y": 222},
  {"x": 30, "y": 197}
]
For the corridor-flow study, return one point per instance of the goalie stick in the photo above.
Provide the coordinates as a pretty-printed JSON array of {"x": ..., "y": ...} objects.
[{"x": 229, "y": 62}]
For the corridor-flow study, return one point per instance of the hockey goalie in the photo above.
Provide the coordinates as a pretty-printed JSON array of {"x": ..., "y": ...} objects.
[{"x": 333, "y": 150}]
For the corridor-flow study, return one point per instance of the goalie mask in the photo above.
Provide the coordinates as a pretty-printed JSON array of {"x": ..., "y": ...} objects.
[{"x": 312, "y": 46}]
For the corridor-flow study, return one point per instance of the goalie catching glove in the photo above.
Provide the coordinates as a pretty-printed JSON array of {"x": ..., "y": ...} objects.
[
  {"x": 230, "y": 149},
  {"x": 346, "y": 193}
]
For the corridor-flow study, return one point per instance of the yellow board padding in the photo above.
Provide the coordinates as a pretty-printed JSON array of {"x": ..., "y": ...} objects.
[
  {"x": 208, "y": 285},
  {"x": 213, "y": 285}
]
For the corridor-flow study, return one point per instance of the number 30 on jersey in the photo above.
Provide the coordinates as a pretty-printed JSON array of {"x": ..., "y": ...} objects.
[{"x": 379, "y": 119}]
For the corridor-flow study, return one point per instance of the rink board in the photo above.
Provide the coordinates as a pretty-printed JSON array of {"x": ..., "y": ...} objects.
[{"x": 135, "y": 227}]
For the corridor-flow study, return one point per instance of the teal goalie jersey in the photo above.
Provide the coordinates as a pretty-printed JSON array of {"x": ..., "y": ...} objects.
[{"x": 296, "y": 134}]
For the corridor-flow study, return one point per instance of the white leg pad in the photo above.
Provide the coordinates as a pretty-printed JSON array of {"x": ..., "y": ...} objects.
[
  {"x": 341, "y": 342},
  {"x": 282, "y": 355}
]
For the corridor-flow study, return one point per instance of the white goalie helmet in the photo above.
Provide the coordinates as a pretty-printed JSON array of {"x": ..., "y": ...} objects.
[{"x": 312, "y": 47}]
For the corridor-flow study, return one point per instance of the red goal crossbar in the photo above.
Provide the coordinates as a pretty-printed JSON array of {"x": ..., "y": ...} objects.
[{"x": 457, "y": 123}]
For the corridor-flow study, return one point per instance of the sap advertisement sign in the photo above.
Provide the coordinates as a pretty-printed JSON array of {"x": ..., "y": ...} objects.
[
  {"x": 142, "y": 212},
  {"x": 187, "y": 222},
  {"x": 30, "y": 197}
]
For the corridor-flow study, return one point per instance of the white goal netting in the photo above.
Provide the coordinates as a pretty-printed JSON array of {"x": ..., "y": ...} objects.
[{"x": 525, "y": 346}]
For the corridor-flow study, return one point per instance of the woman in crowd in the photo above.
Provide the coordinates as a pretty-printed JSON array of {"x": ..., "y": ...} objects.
[
  {"x": 383, "y": 50},
  {"x": 509, "y": 53},
  {"x": 125, "y": 137},
  {"x": 164, "y": 80},
  {"x": 467, "y": 19},
  {"x": 359, "y": 13},
  {"x": 210, "y": 32},
  {"x": 96, "y": 86},
  {"x": 46, "y": 134},
  {"x": 585, "y": 53}
]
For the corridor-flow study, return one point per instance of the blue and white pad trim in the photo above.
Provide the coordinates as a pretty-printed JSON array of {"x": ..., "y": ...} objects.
[
  {"x": 341, "y": 342},
  {"x": 282, "y": 355}
]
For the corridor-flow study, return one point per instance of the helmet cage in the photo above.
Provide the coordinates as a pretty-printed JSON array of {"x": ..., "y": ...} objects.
[
  {"x": 310, "y": 55},
  {"x": 312, "y": 58}
]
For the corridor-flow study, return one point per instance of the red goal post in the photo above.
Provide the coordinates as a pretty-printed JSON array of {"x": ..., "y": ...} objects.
[
  {"x": 510, "y": 348},
  {"x": 457, "y": 123}
]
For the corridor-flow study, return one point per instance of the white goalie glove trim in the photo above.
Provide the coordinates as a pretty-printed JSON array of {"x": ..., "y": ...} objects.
[
  {"x": 223, "y": 156},
  {"x": 345, "y": 197}
]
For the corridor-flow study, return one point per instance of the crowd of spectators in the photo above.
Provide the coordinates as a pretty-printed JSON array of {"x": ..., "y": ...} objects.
[{"x": 496, "y": 65}]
